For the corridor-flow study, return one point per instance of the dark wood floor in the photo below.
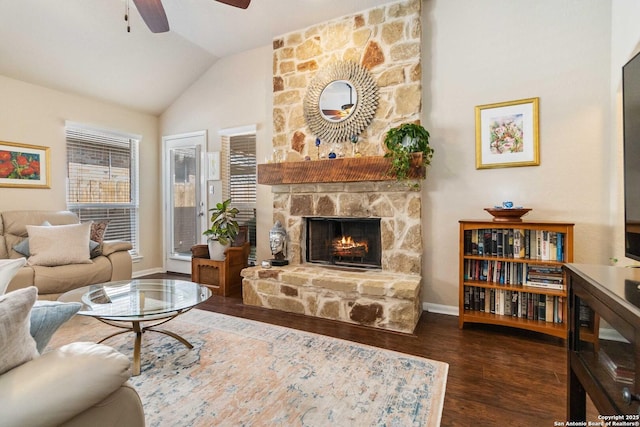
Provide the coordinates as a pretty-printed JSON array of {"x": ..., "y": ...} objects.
[{"x": 497, "y": 376}]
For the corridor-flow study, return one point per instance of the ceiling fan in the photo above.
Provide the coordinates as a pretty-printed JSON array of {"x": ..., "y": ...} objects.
[{"x": 154, "y": 16}]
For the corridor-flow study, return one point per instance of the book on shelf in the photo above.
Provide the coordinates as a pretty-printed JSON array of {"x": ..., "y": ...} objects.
[
  {"x": 585, "y": 316},
  {"x": 617, "y": 359},
  {"x": 544, "y": 285},
  {"x": 512, "y": 303},
  {"x": 515, "y": 243},
  {"x": 544, "y": 276}
]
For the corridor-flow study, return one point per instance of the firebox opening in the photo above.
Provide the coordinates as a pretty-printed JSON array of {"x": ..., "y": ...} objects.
[{"x": 352, "y": 242}]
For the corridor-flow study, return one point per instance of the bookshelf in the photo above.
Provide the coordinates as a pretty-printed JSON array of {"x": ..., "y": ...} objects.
[{"x": 511, "y": 274}]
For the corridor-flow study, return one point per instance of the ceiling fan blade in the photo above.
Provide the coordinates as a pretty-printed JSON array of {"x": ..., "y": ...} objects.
[
  {"x": 153, "y": 15},
  {"x": 242, "y": 4}
]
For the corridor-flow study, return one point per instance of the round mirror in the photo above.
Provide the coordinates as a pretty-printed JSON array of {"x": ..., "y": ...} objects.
[
  {"x": 341, "y": 101},
  {"x": 338, "y": 100}
]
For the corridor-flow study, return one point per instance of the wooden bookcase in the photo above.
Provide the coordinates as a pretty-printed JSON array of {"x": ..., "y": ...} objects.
[{"x": 493, "y": 277}]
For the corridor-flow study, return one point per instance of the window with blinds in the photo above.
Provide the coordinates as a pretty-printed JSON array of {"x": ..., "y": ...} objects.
[
  {"x": 239, "y": 177},
  {"x": 102, "y": 180}
]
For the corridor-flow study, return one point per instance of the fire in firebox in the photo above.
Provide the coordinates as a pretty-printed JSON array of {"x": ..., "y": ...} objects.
[
  {"x": 346, "y": 248},
  {"x": 347, "y": 242}
]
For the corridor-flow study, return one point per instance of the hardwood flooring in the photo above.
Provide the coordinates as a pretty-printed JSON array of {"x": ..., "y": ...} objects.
[{"x": 497, "y": 376}]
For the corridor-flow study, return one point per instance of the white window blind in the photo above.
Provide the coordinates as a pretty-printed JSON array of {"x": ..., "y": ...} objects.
[
  {"x": 102, "y": 180},
  {"x": 239, "y": 178}
]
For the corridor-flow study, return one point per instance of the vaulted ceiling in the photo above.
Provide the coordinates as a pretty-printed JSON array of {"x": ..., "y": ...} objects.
[{"x": 83, "y": 47}]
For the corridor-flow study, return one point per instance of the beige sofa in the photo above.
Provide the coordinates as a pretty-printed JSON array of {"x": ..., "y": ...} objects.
[
  {"x": 114, "y": 263},
  {"x": 80, "y": 384}
]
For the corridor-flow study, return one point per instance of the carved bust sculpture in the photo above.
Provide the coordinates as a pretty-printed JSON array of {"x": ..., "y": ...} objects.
[{"x": 278, "y": 242}]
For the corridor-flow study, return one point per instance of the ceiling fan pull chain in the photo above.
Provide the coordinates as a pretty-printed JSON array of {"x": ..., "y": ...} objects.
[{"x": 126, "y": 15}]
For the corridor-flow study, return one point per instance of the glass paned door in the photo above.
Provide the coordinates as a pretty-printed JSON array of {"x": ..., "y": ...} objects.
[{"x": 184, "y": 199}]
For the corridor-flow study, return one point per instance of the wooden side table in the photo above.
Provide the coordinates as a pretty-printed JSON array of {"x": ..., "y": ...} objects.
[{"x": 222, "y": 277}]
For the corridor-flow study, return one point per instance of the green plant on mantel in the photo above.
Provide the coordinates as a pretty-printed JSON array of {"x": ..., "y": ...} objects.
[{"x": 402, "y": 142}]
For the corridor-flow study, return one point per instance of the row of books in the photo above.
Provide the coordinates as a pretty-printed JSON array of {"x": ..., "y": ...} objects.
[
  {"x": 515, "y": 243},
  {"x": 525, "y": 305},
  {"x": 514, "y": 273}
]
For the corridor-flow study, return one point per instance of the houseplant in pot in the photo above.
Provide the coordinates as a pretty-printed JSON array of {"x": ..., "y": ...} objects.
[
  {"x": 224, "y": 229},
  {"x": 402, "y": 143}
]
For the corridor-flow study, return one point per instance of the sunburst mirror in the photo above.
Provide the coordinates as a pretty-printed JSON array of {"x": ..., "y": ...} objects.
[{"x": 340, "y": 101}]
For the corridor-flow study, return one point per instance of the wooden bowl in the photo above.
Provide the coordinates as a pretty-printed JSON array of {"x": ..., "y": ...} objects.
[{"x": 507, "y": 215}]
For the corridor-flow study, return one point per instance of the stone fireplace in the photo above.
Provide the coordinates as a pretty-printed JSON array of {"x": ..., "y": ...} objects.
[
  {"x": 384, "y": 292},
  {"x": 386, "y": 297}
]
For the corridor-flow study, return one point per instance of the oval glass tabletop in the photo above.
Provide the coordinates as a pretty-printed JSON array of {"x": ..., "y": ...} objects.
[{"x": 137, "y": 297}]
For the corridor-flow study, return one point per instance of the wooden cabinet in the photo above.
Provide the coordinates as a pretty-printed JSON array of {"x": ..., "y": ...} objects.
[
  {"x": 222, "y": 277},
  {"x": 511, "y": 274},
  {"x": 606, "y": 369}
]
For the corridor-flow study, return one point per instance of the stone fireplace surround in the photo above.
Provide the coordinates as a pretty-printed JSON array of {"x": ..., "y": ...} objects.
[
  {"x": 387, "y": 41},
  {"x": 386, "y": 298}
]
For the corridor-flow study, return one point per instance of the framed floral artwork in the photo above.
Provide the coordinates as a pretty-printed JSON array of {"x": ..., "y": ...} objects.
[
  {"x": 507, "y": 134},
  {"x": 23, "y": 165}
]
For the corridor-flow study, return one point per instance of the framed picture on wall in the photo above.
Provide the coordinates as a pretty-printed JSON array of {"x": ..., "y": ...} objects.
[
  {"x": 507, "y": 134},
  {"x": 23, "y": 165},
  {"x": 213, "y": 166}
]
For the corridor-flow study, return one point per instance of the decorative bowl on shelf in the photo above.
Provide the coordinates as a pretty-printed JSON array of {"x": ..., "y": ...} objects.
[{"x": 507, "y": 215}]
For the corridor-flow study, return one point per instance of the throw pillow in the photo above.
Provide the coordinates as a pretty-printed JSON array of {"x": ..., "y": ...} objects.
[
  {"x": 8, "y": 269},
  {"x": 17, "y": 344},
  {"x": 98, "y": 229},
  {"x": 59, "y": 245},
  {"x": 47, "y": 317},
  {"x": 23, "y": 247}
]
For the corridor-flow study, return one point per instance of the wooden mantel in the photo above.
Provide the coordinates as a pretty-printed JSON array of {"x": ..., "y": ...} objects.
[{"x": 350, "y": 169}]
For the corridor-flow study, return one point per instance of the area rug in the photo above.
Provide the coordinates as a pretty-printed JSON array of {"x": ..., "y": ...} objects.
[{"x": 246, "y": 373}]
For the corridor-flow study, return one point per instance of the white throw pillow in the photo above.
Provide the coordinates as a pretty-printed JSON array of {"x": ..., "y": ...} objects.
[
  {"x": 59, "y": 245},
  {"x": 16, "y": 342},
  {"x": 8, "y": 269}
]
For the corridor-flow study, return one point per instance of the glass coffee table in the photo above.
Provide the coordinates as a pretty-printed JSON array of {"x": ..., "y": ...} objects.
[{"x": 138, "y": 305}]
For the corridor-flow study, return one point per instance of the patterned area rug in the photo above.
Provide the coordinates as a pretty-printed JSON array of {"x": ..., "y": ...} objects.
[{"x": 242, "y": 372}]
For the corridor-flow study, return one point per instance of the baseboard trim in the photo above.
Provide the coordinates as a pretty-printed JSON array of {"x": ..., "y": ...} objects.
[
  {"x": 141, "y": 273},
  {"x": 449, "y": 310}
]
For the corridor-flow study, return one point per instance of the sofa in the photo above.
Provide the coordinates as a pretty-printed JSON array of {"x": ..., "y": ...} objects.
[
  {"x": 79, "y": 384},
  {"x": 109, "y": 261}
]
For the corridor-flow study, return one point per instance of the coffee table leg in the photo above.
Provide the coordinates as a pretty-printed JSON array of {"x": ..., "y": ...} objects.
[
  {"x": 136, "y": 348},
  {"x": 138, "y": 327}
]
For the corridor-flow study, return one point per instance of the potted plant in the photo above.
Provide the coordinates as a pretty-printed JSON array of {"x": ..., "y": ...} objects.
[
  {"x": 402, "y": 142},
  {"x": 224, "y": 229}
]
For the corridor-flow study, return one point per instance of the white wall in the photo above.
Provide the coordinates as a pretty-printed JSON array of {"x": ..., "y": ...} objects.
[
  {"x": 235, "y": 91},
  {"x": 500, "y": 50},
  {"x": 35, "y": 115}
]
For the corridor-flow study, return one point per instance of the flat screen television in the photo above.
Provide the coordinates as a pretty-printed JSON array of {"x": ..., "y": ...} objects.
[{"x": 631, "y": 125}]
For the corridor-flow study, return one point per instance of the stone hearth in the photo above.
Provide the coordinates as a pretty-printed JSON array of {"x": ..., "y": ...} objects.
[{"x": 372, "y": 298}]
